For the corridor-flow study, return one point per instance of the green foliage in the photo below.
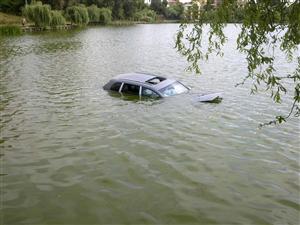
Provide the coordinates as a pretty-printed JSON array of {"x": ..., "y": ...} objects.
[
  {"x": 9, "y": 19},
  {"x": 43, "y": 16},
  {"x": 94, "y": 13},
  {"x": 192, "y": 13},
  {"x": 265, "y": 24},
  {"x": 208, "y": 6},
  {"x": 11, "y": 6},
  {"x": 121, "y": 9},
  {"x": 38, "y": 13},
  {"x": 10, "y": 30},
  {"x": 234, "y": 13},
  {"x": 57, "y": 4},
  {"x": 146, "y": 15},
  {"x": 78, "y": 14},
  {"x": 158, "y": 6},
  {"x": 126, "y": 9},
  {"x": 174, "y": 11},
  {"x": 129, "y": 8},
  {"x": 164, "y": 3},
  {"x": 104, "y": 16},
  {"x": 57, "y": 19},
  {"x": 118, "y": 10}
]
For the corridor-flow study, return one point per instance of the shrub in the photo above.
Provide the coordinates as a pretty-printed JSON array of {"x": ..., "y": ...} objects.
[
  {"x": 146, "y": 15},
  {"x": 78, "y": 14},
  {"x": 94, "y": 13},
  {"x": 38, "y": 13},
  {"x": 57, "y": 19},
  {"x": 104, "y": 16},
  {"x": 175, "y": 11},
  {"x": 208, "y": 16}
]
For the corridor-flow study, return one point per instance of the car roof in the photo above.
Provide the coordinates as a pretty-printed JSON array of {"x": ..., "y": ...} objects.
[
  {"x": 137, "y": 77},
  {"x": 142, "y": 78}
]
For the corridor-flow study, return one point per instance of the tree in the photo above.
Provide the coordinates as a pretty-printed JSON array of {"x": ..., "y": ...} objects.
[
  {"x": 158, "y": 6},
  {"x": 104, "y": 16},
  {"x": 78, "y": 14},
  {"x": 131, "y": 7},
  {"x": 117, "y": 10},
  {"x": 146, "y": 15},
  {"x": 175, "y": 11},
  {"x": 57, "y": 19},
  {"x": 56, "y": 4},
  {"x": 94, "y": 13},
  {"x": 38, "y": 13},
  {"x": 11, "y": 6},
  {"x": 266, "y": 25},
  {"x": 209, "y": 5},
  {"x": 164, "y": 3}
]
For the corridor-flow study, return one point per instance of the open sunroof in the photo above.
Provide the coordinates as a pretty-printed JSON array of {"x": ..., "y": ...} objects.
[{"x": 155, "y": 80}]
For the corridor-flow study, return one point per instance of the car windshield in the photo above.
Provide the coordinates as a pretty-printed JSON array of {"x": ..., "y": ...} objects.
[{"x": 173, "y": 89}]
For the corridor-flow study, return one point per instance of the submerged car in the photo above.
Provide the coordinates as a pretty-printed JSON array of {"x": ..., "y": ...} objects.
[{"x": 149, "y": 85}]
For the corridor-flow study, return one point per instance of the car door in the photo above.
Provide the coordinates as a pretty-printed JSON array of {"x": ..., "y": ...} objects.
[
  {"x": 130, "y": 89},
  {"x": 148, "y": 93}
]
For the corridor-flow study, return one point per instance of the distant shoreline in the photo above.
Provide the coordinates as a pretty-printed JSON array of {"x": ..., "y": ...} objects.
[{"x": 15, "y": 22}]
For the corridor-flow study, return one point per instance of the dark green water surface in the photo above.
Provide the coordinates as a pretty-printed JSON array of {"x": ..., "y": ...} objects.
[{"x": 73, "y": 154}]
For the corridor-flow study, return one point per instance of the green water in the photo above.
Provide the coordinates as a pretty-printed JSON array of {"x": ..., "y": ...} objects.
[{"x": 73, "y": 154}]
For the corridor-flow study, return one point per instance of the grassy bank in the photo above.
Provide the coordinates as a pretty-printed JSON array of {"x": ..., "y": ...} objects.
[
  {"x": 10, "y": 30},
  {"x": 11, "y": 24},
  {"x": 8, "y": 19},
  {"x": 122, "y": 23}
]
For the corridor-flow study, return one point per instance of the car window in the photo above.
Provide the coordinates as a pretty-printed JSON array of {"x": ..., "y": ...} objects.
[
  {"x": 149, "y": 93},
  {"x": 174, "y": 89},
  {"x": 116, "y": 86},
  {"x": 130, "y": 89}
]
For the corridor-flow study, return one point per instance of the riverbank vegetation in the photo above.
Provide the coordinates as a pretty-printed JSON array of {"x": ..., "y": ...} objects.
[
  {"x": 38, "y": 13},
  {"x": 57, "y": 19},
  {"x": 102, "y": 12},
  {"x": 53, "y": 13},
  {"x": 77, "y": 14},
  {"x": 99, "y": 15},
  {"x": 8, "y": 19},
  {"x": 9, "y": 24},
  {"x": 10, "y": 30}
]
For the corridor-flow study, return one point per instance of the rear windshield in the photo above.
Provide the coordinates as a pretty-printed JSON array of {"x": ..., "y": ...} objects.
[{"x": 174, "y": 89}]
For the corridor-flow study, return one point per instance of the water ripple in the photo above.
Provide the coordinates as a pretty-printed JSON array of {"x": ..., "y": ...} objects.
[{"x": 86, "y": 156}]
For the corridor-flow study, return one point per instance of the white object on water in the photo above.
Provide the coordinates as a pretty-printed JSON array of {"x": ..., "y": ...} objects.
[{"x": 214, "y": 97}]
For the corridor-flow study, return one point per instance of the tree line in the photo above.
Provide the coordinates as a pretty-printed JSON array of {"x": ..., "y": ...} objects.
[
  {"x": 43, "y": 16},
  {"x": 135, "y": 9},
  {"x": 120, "y": 9}
]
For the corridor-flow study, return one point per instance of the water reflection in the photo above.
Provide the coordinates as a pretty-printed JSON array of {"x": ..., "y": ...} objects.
[
  {"x": 57, "y": 46},
  {"x": 134, "y": 98}
]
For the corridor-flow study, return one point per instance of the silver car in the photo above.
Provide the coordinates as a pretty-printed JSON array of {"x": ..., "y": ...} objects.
[
  {"x": 145, "y": 85},
  {"x": 153, "y": 86}
]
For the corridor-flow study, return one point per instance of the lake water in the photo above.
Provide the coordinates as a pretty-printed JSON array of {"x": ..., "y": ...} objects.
[{"x": 73, "y": 154}]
